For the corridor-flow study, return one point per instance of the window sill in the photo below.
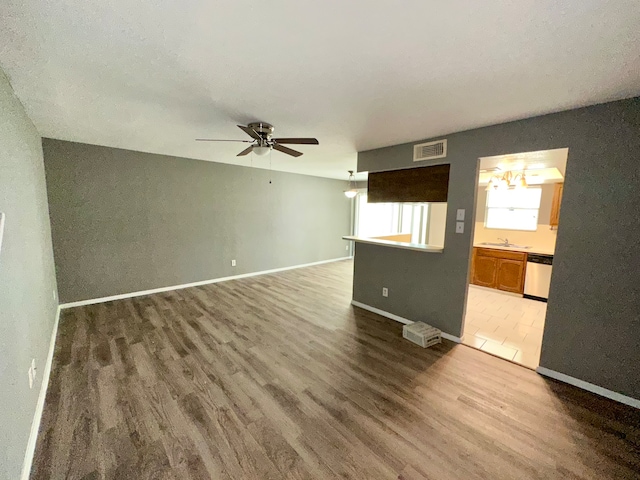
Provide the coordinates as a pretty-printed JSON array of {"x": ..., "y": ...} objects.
[{"x": 402, "y": 245}]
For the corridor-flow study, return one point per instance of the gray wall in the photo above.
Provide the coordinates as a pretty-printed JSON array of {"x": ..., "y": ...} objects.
[
  {"x": 592, "y": 329},
  {"x": 27, "y": 278},
  {"x": 126, "y": 221}
]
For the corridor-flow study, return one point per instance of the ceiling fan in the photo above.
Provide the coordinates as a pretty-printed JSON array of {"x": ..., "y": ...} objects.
[{"x": 262, "y": 142}]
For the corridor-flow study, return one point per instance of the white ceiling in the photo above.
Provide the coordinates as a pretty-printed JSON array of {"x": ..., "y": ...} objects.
[{"x": 154, "y": 75}]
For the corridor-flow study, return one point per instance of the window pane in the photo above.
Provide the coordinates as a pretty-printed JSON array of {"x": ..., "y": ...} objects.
[
  {"x": 382, "y": 219},
  {"x": 416, "y": 225},
  {"x": 407, "y": 214},
  {"x": 515, "y": 198},
  {"x": 512, "y": 218},
  {"x": 376, "y": 219}
]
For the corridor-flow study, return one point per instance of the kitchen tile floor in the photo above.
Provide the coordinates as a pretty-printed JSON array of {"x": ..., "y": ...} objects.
[{"x": 505, "y": 325}]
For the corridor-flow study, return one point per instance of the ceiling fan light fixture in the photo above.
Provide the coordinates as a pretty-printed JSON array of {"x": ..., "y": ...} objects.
[
  {"x": 261, "y": 150},
  {"x": 353, "y": 190},
  {"x": 262, "y": 142}
]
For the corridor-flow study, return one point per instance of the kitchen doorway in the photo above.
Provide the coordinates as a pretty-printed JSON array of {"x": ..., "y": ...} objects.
[{"x": 517, "y": 215}]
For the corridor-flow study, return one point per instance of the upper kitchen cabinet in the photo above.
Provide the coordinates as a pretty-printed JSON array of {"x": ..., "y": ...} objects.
[{"x": 555, "y": 204}]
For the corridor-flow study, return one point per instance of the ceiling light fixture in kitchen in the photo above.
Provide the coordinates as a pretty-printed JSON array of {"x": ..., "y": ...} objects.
[{"x": 508, "y": 180}]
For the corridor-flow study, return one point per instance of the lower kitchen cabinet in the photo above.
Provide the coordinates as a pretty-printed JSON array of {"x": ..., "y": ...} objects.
[
  {"x": 500, "y": 269},
  {"x": 485, "y": 270},
  {"x": 510, "y": 276}
]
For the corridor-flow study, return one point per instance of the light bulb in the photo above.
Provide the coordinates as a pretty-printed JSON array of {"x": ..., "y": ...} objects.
[
  {"x": 261, "y": 151},
  {"x": 350, "y": 193}
]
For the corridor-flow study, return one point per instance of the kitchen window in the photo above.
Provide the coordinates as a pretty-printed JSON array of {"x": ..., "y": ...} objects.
[{"x": 513, "y": 209}]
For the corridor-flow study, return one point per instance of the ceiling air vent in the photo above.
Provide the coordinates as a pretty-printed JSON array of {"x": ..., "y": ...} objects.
[{"x": 430, "y": 150}]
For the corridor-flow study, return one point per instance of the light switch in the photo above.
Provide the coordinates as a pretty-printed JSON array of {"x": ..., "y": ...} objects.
[
  {"x": 459, "y": 227},
  {"x": 460, "y": 214}
]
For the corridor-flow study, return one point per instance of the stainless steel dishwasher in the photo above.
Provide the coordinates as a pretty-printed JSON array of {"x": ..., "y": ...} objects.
[{"x": 538, "y": 276}]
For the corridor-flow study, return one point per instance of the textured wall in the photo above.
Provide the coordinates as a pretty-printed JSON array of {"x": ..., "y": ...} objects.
[
  {"x": 27, "y": 278},
  {"x": 592, "y": 329},
  {"x": 126, "y": 221}
]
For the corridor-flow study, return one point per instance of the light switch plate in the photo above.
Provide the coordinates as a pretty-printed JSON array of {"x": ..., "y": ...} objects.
[
  {"x": 459, "y": 227},
  {"x": 460, "y": 214}
]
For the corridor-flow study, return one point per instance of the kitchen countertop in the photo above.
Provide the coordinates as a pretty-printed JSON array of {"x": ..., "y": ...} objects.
[
  {"x": 533, "y": 249},
  {"x": 390, "y": 243}
]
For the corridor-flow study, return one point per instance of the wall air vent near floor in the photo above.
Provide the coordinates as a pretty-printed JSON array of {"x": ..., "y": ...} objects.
[{"x": 430, "y": 150}]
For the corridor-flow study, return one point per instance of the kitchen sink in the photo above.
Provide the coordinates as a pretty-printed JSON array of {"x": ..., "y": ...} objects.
[{"x": 508, "y": 245}]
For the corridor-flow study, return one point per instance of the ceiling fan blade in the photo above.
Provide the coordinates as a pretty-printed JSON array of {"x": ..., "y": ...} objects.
[
  {"x": 246, "y": 151},
  {"x": 299, "y": 141},
  {"x": 250, "y": 131},
  {"x": 212, "y": 140},
  {"x": 288, "y": 151}
]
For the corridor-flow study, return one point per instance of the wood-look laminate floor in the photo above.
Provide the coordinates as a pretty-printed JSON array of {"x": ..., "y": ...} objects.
[{"x": 279, "y": 377}]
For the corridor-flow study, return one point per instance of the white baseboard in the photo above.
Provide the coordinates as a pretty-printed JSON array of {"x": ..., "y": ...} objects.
[
  {"x": 121, "y": 296},
  {"x": 590, "y": 387},
  {"x": 397, "y": 318},
  {"x": 37, "y": 416}
]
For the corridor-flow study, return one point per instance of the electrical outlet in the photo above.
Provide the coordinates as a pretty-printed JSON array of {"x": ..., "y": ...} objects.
[
  {"x": 233, "y": 263},
  {"x": 385, "y": 292},
  {"x": 346, "y": 247},
  {"x": 459, "y": 227}
]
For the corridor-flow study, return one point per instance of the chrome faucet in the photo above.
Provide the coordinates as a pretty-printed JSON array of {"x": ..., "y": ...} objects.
[{"x": 505, "y": 240}]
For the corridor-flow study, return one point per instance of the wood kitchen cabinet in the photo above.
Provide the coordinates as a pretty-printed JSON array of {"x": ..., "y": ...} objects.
[
  {"x": 485, "y": 270},
  {"x": 501, "y": 269},
  {"x": 555, "y": 204},
  {"x": 510, "y": 276}
]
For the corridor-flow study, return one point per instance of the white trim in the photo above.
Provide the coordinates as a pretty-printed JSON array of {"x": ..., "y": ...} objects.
[
  {"x": 397, "y": 318},
  {"x": 590, "y": 387},
  {"x": 37, "y": 416},
  {"x": 91, "y": 301}
]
